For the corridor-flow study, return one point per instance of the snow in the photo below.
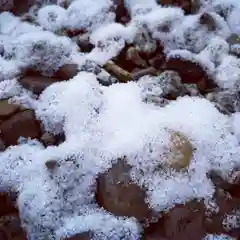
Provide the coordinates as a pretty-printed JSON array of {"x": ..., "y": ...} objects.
[{"x": 102, "y": 124}]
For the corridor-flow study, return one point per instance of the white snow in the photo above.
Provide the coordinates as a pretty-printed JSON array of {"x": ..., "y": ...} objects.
[{"x": 102, "y": 124}]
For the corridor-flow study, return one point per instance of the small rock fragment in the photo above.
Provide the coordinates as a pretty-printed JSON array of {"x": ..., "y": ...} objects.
[
  {"x": 22, "y": 124},
  {"x": 132, "y": 55},
  {"x": 37, "y": 84},
  {"x": 157, "y": 61},
  {"x": 118, "y": 194},
  {"x": 48, "y": 139},
  {"x": 6, "y": 204},
  {"x": 81, "y": 236},
  {"x": 51, "y": 164},
  {"x": 67, "y": 71},
  {"x": 7, "y": 109},
  {"x": 181, "y": 151},
  {"x": 83, "y": 41},
  {"x": 2, "y": 145},
  {"x": 148, "y": 71},
  {"x": 208, "y": 20},
  {"x": 121, "y": 74}
]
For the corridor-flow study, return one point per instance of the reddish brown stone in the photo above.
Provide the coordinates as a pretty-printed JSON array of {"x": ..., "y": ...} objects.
[
  {"x": 119, "y": 195},
  {"x": 7, "y": 109},
  {"x": 185, "y": 222},
  {"x": 21, "y": 124},
  {"x": 37, "y": 84},
  {"x": 189, "y": 72},
  {"x": 67, "y": 71},
  {"x": 6, "y": 204}
]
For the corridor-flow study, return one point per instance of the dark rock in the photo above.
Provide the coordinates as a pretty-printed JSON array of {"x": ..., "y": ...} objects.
[
  {"x": 184, "y": 4},
  {"x": 7, "y": 109},
  {"x": 133, "y": 55},
  {"x": 83, "y": 42},
  {"x": 208, "y": 20},
  {"x": 21, "y": 124},
  {"x": 157, "y": 61},
  {"x": 185, "y": 221},
  {"x": 37, "y": 84},
  {"x": 48, "y": 139},
  {"x": 147, "y": 71},
  {"x": 2, "y": 145},
  {"x": 67, "y": 71},
  {"x": 7, "y": 206},
  {"x": 189, "y": 72},
  {"x": 119, "y": 195},
  {"x": 81, "y": 236},
  {"x": 51, "y": 164}
]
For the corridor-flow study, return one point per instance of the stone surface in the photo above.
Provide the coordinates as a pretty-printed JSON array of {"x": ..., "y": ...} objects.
[
  {"x": 21, "y": 124},
  {"x": 67, "y": 71},
  {"x": 81, "y": 236},
  {"x": 208, "y": 20},
  {"x": 119, "y": 195},
  {"x": 6, "y": 204},
  {"x": 2, "y": 145},
  {"x": 7, "y": 109},
  {"x": 48, "y": 139},
  {"x": 189, "y": 72},
  {"x": 37, "y": 84},
  {"x": 185, "y": 222}
]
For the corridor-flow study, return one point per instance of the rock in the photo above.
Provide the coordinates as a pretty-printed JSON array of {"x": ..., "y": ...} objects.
[
  {"x": 51, "y": 164},
  {"x": 11, "y": 226},
  {"x": 37, "y": 84},
  {"x": 119, "y": 195},
  {"x": 48, "y": 139},
  {"x": 208, "y": 20},
  {"x": 67, "y": 71},
  {"x": 234, "y": 44},
  {"x": 147, "y": 71},
  {"x": 6, "y": 5},
  {"x": 81, "y": 236},
  {"x": 83, "y": 41},
  {"x": 226, "y": 102},
  {"x": 7, "y": 109},
  {"x": 2, "y": 145},
  {"x": 185, "y": 222},
  {"x": 189, "y": 72},
  {"x": 6, "y": 204},
  {"x": 181, "y": 151},
  {"x": 184, "y": 4},
  {"x": 157, "y": 61},
  {"x": 132, "y": 55},
  {"x": 21, "y": 124}
]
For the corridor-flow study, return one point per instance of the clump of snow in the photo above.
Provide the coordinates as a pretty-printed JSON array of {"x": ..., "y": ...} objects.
[
  {"x": 52, "y": 17},
  {"x": 231, "y": 221},
  {"x": 88, "y": 15},
  {"x": 218, "y": 237},
  {"x": 45, "y": 51}
]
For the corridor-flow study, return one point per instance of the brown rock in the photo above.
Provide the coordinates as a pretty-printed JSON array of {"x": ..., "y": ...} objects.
[
  {"x": 181, "y": 151},
  {"x": 133, "y": 55},
  {"x": 157, "y": 61},
  {"x": 21, "y": 124},
  {"x": 147, "y": 71},
  {"x": 208, "y": 20},
  {"x": 81, "y": 236},
  {"x": 184, "y": 4},
  {"x": 48, "y": 139},
  {"x": 37, "y": 84},
  {"x": 185, "y": 221},
  {"x": 118, "y": 194},
  {"x": 67, "y": 71},
  {"x": 6, "y": 204},
  {"x": 2, "y": 145},
  {"x": 7, "y": 109},
  {"x": 189, "y": 72}
]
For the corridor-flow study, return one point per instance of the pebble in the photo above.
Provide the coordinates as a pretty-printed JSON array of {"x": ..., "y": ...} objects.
[
  {"x": 67, "y": 71},
  {"x": 37, "y": 84},
  {"x": 208, "y": 20},
  {"x": 22, "y": 124},
  {"x": 190, "y": 72},
  {"x": 48, "y": 139},
  {"x": 140, "y": 73},
  {"x": 133, "y": 55},
  {"x": 117, "y": 193},
  {"x": 7, "y": 109},
  {"x": 81, "y": 236}
]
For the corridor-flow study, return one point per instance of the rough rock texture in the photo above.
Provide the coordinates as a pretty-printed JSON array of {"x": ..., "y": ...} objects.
[
  {"x": 67, "y": 71},
  {"x": 81, "y": 236},
  {"x": 119, "y": 195},
  {"x": 7, "y": 109},
  {"x": 22, "y": 124},
  {"x": 37, "y": 84}
]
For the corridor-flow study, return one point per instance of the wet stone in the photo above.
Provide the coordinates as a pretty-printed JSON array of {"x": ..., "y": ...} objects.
[
  {"x": 22, "y": 124},
  {"x": 189, "y": 72},
  {"x": 67, "y": 71},
  {"x": 119, "y": 195},
  {"x": 37, "y": 84},
  {"x": 7, "y": 109}
]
